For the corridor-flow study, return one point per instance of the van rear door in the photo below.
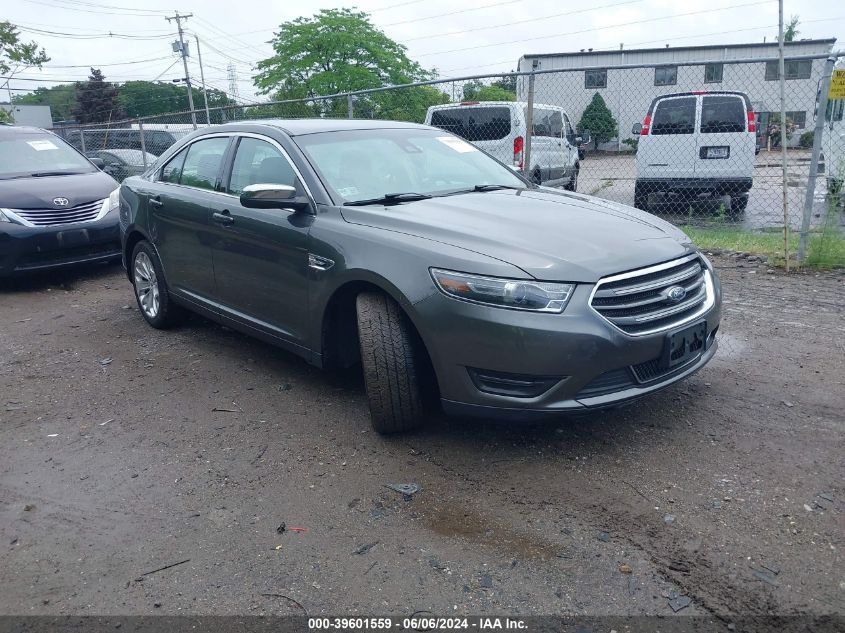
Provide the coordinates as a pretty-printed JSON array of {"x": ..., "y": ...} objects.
[
  {"x": 488, "y": 127},
  {"x": 670, "y": 150},
  {"x": 725, "y": 146}
]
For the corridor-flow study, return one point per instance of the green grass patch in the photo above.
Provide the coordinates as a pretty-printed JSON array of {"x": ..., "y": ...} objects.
[{"x": 826, "y": 246}]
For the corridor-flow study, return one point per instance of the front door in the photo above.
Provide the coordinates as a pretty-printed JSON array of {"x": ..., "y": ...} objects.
[
  {"x": 180, "y": 203},
  {"x": 261, "y": 255},
  {"x": 670, "y": 150}
]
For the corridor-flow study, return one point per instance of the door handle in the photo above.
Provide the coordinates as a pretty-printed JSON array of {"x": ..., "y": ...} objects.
[
  {"x": 156, "y": 202},
  {"x": 223, "y": 218}
]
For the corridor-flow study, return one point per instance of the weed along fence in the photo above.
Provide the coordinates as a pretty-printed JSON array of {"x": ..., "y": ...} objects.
[{"x": 704, "y": 144}]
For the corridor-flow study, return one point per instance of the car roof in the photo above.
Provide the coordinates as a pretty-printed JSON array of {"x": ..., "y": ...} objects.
[
  {"x": 297, "y": 127},
  {"x": 475, "y": 104},
  {"x": 7, "y": 131}
]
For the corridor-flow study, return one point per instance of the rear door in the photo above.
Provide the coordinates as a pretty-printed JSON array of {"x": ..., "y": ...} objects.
[
  {"x": 487, "y": 126},
  {"x": 181, "y": 202},
  {"x": 261, "y": 255},
  {"x": 671, "y": 147},
  {"x": 725, "y": 147}
]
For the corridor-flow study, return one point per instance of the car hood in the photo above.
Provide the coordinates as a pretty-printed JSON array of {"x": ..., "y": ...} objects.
[
  {"x": 38, "y": 193},
  {"x": 551, "y": 235}
]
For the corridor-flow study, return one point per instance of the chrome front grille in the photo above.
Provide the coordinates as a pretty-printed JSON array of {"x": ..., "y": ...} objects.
[
  {"x": 639, "y": 302},
  {"x": 68, "y": 215}
]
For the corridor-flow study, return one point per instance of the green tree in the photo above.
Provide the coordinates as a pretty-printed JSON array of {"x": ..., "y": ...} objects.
[
  {"x": 146, "y": 98},
  {"x": 598, "y": 119},
  {"x": 506, "y": 83},
  {"x": 790, "y": 29},
  {"x": 61, "y": 99},
  {"x": 334, "y": 51},
  {"x": 96, "y": 100},
  {"x": 16, "y": 56},
  {"x": 476, "y": 91}
]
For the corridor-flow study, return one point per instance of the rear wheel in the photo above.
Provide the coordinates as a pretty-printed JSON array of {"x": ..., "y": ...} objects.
[
  {"x": 640, "y": 196},
  {"x": 391, "y": 367},
  {"x": 738, "y": 205},
  {"x": 151, "y": 288},
  {"x": 572, "y": 185},
  {"x": 535, "y": 177}
]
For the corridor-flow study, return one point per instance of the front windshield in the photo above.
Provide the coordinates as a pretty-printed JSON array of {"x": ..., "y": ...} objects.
[
  {"x": 363, "y": 164},
  {"x": 27, "y": 154}
]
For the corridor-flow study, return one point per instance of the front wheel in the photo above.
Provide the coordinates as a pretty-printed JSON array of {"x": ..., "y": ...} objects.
[
  {"x": 572, "y": 185},
  {"x": 391, "y": 367},
  {"x": 151, "y": 288}
]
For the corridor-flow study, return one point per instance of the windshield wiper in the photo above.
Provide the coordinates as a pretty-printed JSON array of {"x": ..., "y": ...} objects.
[
  {"x": 389, "y": 198},
  {"x": 40, "y": 174},
  {"x": 494, "y": 187}
]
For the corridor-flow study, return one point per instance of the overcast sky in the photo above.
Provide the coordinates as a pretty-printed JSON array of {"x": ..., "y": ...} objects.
[{"x": 456, "y": 38}]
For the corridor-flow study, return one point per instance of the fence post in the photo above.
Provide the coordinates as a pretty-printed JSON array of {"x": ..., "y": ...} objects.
[
  {"x": 350, "y": 112},
  {"x": 824, "y": 86},
  {"x": 784, "y": 174},
  {"x": 82, "y": 140},
  {"x": 143, "y": 144},
  {"x": 529, "y": 127}
]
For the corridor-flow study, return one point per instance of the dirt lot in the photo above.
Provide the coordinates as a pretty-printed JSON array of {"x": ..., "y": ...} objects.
[{"x": 125, "y": 450}]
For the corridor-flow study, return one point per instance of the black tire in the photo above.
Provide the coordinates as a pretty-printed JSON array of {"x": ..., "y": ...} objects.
[
  {"x": 738, "y": 205},
  {"x": 168, "y": 313},
  {"x": 391, "y": 369},
  {"x": 640, "y": 196},
  {"x": 536, "y": 178},
  {"x": 572, "y": 185}
]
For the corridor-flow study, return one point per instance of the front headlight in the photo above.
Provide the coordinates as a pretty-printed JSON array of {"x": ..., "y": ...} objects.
[
  {"x": 518, "y": 294},
  {"x": 114, "y": 199}
]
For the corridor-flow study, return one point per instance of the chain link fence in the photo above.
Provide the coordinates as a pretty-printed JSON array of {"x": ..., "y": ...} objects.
[{"x": 700, "y": 144}]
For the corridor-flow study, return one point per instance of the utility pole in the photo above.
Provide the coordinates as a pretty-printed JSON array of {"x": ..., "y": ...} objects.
[
  {"x": 184, "y": 52},
  {"x": 202, "y": 79}
]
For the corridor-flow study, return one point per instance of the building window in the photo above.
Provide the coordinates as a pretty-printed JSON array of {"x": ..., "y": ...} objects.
[
  {"x": 798, "y": 118},
  {"x": 792, "y": 70},
  {"x": 713, "y": 73},
  {"x": 665, "y": 76},
  {"x": 595, "y": 78}
]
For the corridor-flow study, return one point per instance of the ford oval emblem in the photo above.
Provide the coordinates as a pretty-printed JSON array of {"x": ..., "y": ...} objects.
[
  {"x": 676, "y": 293},
  {"x": 61, "y": 202}
]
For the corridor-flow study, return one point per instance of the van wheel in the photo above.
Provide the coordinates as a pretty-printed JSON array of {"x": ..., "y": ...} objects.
[
  {"x": 641, "y": 196},
  {"x": 150, "y": 287},
  {"x": 535, "y": 178},
  {"x": 391, "y": 368},
  {"x": 738, "y": 205},
  {"x": 572, "y": 185}
]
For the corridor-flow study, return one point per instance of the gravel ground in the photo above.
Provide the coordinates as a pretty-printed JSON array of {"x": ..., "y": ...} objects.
[{"x": 125, "y": 450}]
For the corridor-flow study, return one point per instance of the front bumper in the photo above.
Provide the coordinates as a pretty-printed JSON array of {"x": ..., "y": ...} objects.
[
  {"x": 597, "y": 365},
  {"x": 26, "y": 249}
]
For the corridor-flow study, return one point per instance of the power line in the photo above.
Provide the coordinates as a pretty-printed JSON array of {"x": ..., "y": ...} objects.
[
  {"x": 598, "y": 28},
  {"x": 510, "y": 24},
  {"x": 661, "y": 40},
  {"x": 441, "y": 15},
  {"x": 135, "y": 12},
  {"x": 126, "y": 63},
  {"x": 395, "y": 6},
  {"x": 94, "y": 36}
]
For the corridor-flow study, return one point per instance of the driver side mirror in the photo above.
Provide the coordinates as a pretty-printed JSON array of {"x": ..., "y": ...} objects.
[
  {"x": 99, "y": 163},
  {"x": 270, "y": 196}
]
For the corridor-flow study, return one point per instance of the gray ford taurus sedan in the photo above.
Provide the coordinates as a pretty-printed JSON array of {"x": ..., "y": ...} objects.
[{"x": 436, "y": 267}]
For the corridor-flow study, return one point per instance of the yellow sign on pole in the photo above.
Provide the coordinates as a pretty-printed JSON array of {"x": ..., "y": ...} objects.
[{"x": 837, "y": 85}]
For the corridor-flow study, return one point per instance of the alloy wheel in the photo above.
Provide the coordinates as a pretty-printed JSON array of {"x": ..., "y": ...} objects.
[{"x": 146, "y": 285}]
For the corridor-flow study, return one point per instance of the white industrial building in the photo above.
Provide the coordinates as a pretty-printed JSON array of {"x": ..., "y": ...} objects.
[{"x": 628, "y": 92}]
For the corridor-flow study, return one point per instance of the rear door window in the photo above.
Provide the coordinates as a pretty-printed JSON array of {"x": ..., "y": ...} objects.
[
  {"x": 474, "y": 124},
  {"x": 674, "y": 116},
  {"x": 202, "y": 164},
  {"x": 721, "y": 113}
]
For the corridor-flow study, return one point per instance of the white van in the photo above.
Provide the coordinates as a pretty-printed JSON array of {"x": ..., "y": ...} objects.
[
  {"x": 694, "y": 143},
  {"x": 499, "y": 128}
]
